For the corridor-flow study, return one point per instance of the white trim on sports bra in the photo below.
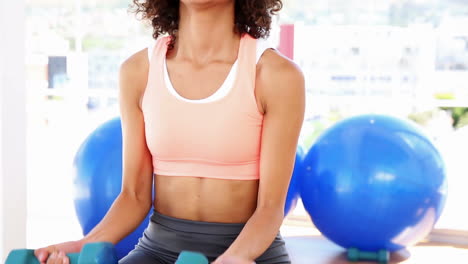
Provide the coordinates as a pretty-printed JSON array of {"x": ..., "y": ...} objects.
[
  {"x": 220, "y": 93},
  {"x": 262, "y": 46}
]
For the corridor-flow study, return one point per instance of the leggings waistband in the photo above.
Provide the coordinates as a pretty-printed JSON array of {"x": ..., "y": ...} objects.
[{"x": 191, "y": 226}]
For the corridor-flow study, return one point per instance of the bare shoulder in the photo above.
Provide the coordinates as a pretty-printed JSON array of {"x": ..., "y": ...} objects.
[
  {"x": 133, "y": 75},
  {"x": 135, "y": 67},
  {"x": 278, "y": 78}
]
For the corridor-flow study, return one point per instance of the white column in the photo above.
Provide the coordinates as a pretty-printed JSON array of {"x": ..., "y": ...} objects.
[{"x": 12, "y": 127}]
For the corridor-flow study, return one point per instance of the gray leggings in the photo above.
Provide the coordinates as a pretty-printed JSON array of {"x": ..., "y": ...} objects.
[{"x": 165, "y": 237}]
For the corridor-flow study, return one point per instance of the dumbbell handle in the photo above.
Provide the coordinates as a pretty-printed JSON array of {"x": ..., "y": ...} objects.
[
  {"x": 93, "y": 253},
  {"x": 26, "y": 256}
]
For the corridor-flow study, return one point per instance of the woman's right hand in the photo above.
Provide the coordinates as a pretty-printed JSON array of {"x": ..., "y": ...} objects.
[{"x": 57, "y": 254}]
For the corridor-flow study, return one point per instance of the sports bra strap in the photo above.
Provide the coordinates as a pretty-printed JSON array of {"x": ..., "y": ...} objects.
[{"x": 262, "y": 46}]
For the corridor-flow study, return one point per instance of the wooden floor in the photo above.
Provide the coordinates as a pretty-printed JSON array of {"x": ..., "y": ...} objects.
[
  {"x": 316, "y": 249},
  {"x": 307, "y": 246}
]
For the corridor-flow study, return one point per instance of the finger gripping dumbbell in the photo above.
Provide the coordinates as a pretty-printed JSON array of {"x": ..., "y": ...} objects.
[
  {"x": 188, "y": 257},
  {"x": 381, "y": 256},
  {"x": 92, "y": 253}
]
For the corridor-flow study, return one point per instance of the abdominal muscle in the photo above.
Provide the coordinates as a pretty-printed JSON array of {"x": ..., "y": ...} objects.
[{"x": 205, "y": 199}]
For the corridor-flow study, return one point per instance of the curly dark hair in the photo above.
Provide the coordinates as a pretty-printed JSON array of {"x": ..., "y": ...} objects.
[{"x": 251, "y": 16}]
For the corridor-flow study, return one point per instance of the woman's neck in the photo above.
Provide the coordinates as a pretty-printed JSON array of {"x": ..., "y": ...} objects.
[{"x": 206, "y": 32}]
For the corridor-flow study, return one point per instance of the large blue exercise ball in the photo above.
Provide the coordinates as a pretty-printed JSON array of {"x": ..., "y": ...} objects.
[
  {"x": 374, "y": 182},
  {"x": 294, "y": 188},
  {"x": 98, "y": 180}
]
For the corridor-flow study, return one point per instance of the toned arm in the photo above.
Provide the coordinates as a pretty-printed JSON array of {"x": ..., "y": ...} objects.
[
  {"x": 135, "y": 199},
  {"x": 280, "y": 87}
]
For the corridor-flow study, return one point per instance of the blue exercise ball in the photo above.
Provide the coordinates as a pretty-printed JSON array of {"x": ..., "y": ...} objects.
[
  {"x": 374, "y": 182},
  {"x": 294, "y": 191},
  {"x": 98, "y": 180}
]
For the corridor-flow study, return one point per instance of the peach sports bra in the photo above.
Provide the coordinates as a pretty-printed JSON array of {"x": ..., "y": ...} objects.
[{"x": 215, "y": 137}]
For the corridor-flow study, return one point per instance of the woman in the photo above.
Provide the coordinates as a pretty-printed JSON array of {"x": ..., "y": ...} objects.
[{"x": 213, "y": 117}]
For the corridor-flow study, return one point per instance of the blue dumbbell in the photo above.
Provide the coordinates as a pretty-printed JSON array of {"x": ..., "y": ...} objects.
[
  {"x": 188, "y": 257},
  {"x": 92, "y": 253}
]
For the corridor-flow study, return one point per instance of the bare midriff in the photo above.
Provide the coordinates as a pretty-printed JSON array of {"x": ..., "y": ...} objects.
[{"x": 205, "y": 199}]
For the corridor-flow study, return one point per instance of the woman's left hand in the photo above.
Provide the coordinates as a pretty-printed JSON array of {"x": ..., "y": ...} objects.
[{"x": 223, "y": 259}]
